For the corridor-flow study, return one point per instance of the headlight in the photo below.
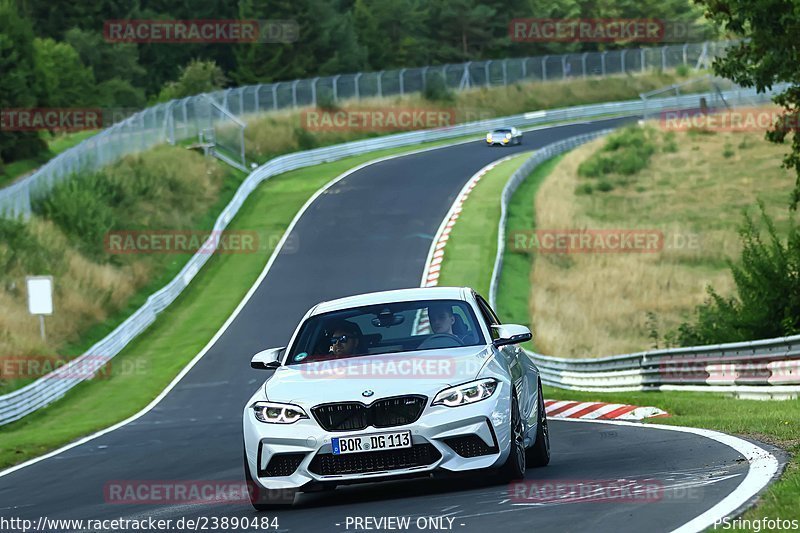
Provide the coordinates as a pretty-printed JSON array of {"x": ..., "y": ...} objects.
[
  {"x": 278, "y": 413},
  {"x": 489, "y": 137},
  {"x": 508, "y": 135},
  {"x": 471, "y": 392}
]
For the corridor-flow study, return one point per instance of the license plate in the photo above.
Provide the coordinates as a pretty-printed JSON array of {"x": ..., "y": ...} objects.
[{"x": 369, "y": 443}]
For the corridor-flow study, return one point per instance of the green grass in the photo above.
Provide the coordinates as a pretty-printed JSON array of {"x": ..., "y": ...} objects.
[
  {"x": 182, "y": 330},
  {"x": 514, "y": 286},
  {"x": 469, "y": 256},
  {"x": 775, "y": 422}
]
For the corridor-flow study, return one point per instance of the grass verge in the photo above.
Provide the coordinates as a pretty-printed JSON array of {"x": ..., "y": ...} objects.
[
  {"x": 470, "y": 252},
  {"x": 151, "y": 361},
  {"x": 774, "y": 422}
]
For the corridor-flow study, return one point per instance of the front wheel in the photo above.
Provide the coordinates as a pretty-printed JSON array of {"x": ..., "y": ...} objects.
[
  {"x": 514, "y": 467},
  {"x": 539, "y": 454}
]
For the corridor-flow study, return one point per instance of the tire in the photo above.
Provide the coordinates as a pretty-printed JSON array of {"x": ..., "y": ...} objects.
[
  {"x": 514, "y": 467},
  {"x": 539, "y": 454},
  {"x": 263, "y": 499}
]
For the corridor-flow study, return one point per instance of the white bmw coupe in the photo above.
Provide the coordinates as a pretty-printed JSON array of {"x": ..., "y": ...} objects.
[{"x": 411, "y": 382}]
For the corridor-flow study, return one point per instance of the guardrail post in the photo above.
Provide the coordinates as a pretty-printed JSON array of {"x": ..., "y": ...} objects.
[
  {"x": 544, "y": 68},
  {"x": 524, "y": 67},
  {"x": 486, "y": 73},
  {"x": 355, "y": 84},
  {"x": 257, "y": 99},
  {"x": 642, "y": 58},
  {"x": 622, "y": 60},
  {"x": 583, "y": 63},
  {"x": 505, "y": 72},
  {"x": 685, "y": 54},
  {"x": 603, "y": 63},
  {"x": 424, "y": 77},
  {"x": 294, "y": 93},
  {"x": 401, "y": 79},
  {"x": 380, "y": 84},
  {"x": 564, "y": 66},
  {"x": 275, "y": 95},
  {"x": 664, "y": 58}
]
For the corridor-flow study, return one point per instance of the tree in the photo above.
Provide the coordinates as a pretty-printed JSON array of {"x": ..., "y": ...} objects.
[
  {"x": 195, "y": 78},
  {"x": 395, "y": 34},
  {"x": 63, "y": 80},
  {"x": 327, "y": 42},
  {"x": 769, "y": 54},
  {"x": 18, "y": 81}
]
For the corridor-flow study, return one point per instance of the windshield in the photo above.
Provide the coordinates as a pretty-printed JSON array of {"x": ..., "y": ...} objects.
[
  {"x": 501, "y": 132},
  {"x": 386, "y": 328}
]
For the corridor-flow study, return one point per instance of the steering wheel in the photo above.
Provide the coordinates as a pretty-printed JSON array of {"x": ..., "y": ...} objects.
[{"x": 440, "y": 340}]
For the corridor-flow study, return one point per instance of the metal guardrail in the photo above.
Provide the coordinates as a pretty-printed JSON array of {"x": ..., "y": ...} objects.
[
  {"x": 49, "y": 388},
  {"x": 225, "y": 112},
  {"x": 763, "y": 369}
]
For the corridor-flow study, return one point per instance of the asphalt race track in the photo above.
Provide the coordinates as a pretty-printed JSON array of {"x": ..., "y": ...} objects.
[{"x": 370, "y": 231}]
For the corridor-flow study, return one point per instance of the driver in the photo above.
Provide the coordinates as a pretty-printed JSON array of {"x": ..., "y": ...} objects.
[
  {"x": 441, "y": 318},
  {"x": 345, "y": 338}
]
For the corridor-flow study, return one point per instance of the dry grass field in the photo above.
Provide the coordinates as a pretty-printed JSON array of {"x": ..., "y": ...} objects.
[{"x": 694, "y": 191}]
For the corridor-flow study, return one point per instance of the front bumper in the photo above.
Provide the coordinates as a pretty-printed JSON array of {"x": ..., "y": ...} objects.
[
  {"x": 501, "y": 142},
  {"x": 444, "y": 439}
]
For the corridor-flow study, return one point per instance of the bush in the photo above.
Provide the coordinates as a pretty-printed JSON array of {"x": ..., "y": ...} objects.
[
  {"x": 19, "y": 249},
  {"x": 436, "y": 89},
  {"x": 325, "y": 100},
  {"x": 727, "y": 151},
  {"x": 767, "y": 304},
  {"x": 82, "y": 208},
  {"x": 305, "y": 139},
  {"x": 682, "y": 70},
  {"x": 584, "y": 188},
  {"x": 605, "y": 186},
  {"x": 626, "y": 152}
]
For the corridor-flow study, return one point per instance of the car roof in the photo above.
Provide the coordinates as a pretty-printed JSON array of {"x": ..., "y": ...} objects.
[{"x": 398, "y": 295}]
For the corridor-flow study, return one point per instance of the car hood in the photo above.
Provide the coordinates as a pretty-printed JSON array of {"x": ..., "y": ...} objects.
[{"x": 423, "y": 372}]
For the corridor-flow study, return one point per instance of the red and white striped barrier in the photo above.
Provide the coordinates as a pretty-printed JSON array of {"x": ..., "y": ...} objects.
[{"x": 599, "y": 410}]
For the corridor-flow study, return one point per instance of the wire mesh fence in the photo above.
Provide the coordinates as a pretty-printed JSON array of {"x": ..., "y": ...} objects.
[{"x": 221, "y": 116}]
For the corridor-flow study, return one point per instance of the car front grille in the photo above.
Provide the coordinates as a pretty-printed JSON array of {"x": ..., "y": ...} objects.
[
  {"x": 326, "y": 464},
  {"x": 470, "y": 446},
  {"x": 282, "y": 464},
  {"x": 384, "y": 413}
]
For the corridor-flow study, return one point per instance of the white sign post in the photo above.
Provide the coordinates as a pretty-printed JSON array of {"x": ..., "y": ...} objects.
[{"x": 40, "y": 298}]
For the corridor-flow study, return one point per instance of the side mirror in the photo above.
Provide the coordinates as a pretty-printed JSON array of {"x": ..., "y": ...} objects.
[
  {"x": 511, "y": 334},
  {"x": 268, "y": 359}
]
